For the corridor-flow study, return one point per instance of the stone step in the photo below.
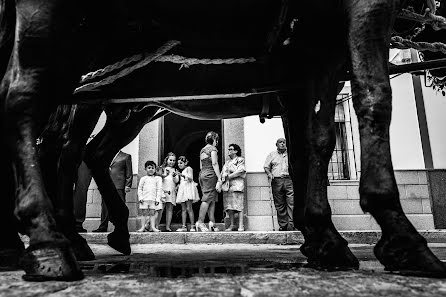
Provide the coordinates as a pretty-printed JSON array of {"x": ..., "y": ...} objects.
[
  {"x": 250, "y": 237},
  {"x": 175, "y": 227}
]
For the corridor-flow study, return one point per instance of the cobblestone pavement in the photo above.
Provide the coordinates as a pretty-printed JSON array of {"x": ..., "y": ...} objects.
[{"x": 224, "y": 270}]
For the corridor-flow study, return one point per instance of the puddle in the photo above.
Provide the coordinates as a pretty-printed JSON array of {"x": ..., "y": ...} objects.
[{"x": 184, "y": 270}]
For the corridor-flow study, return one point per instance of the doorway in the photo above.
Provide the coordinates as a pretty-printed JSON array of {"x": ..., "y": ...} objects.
[{"x": 186, "y": 137}]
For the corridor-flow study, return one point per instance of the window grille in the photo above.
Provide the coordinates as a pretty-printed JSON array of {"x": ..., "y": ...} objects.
[{"x": 342, "y": 164}]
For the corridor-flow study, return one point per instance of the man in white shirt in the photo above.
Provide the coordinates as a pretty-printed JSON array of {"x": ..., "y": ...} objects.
[{"x": 276, "y": 167}]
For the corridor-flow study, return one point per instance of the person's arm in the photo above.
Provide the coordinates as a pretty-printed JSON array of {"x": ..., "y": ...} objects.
[
  {"x": 224, "y": 172},
  {"x": 128, "y": 173},
  {"x": 176, "y": 178},
  {"x": 267, "y": 167},
  {"x": 159, "y": 188},
  {"x": 189, "y": 174},
  {"x": 241, "y": 170},
  {"x": 214, "y": 158},
  {"x": 140, "y": 188}
]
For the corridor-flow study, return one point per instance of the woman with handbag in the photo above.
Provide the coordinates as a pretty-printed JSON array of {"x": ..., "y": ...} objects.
[{"x": 233, "y": 186}]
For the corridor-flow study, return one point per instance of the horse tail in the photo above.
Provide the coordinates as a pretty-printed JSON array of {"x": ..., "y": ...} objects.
[{"x": 7, "y": 31}]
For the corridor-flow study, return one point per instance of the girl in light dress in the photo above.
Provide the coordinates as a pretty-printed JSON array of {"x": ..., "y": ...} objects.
[
  {"x": 187, "y": 193},
  {"x": 170, "y": 180},
  {"x": 149, "y": 196}
]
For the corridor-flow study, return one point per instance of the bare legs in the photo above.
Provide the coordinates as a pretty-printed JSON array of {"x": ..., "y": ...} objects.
[
  {"x": 203, "y": 211},
  {"x": 186, "y": 209},
  {"x": 169, "y": 213},
  {"x": 232, "y": 226},
  {"x": 231, "y": 216},
  {"x": 206, "y": 208},
  {"x": 153, "y": 215},
  {"x": 151, "y": 220},
  {"x": 211, "y": 212}
]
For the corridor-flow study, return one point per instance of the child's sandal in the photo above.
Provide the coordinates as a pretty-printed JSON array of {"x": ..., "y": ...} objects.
[{"x": 182, "y": 229}]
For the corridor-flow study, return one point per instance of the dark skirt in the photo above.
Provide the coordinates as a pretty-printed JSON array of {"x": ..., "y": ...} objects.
[{"x": 208, "y": 181}]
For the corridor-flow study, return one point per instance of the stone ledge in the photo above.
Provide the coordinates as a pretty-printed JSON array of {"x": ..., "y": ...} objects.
[{"x": 251, "y": 237}]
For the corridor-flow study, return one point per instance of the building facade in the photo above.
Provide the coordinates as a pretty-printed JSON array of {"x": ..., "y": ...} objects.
[{"x": 417, "y": 143}]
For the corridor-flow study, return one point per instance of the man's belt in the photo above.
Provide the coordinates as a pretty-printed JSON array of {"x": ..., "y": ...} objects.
[{"x": 281, "y": 177}]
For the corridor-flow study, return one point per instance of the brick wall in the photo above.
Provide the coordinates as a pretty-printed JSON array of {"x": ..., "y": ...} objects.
[
  {"x": 94, "y": 199},
  {"x": 261, "y": 214},
  {"x": 343, "y": 197}
]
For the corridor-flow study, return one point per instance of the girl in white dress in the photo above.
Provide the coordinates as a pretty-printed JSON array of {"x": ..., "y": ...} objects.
[
  {"x": 170, "y": 180},
  {"x": 187, "y": 193},
  {"x": 149, "y": 196}
]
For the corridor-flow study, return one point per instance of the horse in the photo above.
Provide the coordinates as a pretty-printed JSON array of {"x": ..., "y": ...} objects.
[{"x": 53, "y": 41}]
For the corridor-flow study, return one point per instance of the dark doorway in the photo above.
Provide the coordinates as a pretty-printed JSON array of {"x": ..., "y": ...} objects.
[{"x": 185, "y": 137}]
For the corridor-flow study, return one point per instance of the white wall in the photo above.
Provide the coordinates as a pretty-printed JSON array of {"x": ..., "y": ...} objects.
[
  {"x": 260, "y": 140},
  {"x": 132, "y": 148},
  {"x": 435, "y": 106},
  {"x": 405, "y": 140}
]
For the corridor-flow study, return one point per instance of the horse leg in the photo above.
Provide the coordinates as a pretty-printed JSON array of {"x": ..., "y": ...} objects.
[
  {"x": 121, "y": 127},
  {"x": 83, "y": 119},
  {"x": 11, "y": 247},
  {"x": 58, "y": 159},
  {"x": 401, "y": 248},
  {"x": 293, "y": 126},
  {"x": 70, "y": 137},
  {"x": 28, "y": 101},
  {"x": 324, "y": 246}
]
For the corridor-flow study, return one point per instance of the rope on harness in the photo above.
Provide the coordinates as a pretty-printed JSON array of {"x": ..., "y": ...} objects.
[
  {"x": 437, "y": 22},
  {"x": 401, "y": 43},
  {"x": 186, "y": 62},
  {"x": 432, "y": 6},
  {"x": 148, "y": 59},
  {"x": 110, "y": 68}
]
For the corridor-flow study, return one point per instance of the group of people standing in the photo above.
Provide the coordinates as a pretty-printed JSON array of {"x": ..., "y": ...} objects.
[{"x": 172, "y": 183}]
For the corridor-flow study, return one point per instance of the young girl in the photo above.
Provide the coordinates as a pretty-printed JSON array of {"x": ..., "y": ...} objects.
[
  {"x": 187, "y": 193},
  {"x": 170, "y": 179},
  {"x": 149, "y": 196}
]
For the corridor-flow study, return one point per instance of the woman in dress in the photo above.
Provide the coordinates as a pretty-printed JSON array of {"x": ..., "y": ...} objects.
[
  {"x": 209, "y": 180},
  {"x": 233, "y": 176}
]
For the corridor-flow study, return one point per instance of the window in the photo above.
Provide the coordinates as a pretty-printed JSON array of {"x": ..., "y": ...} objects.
[{"x": 342, "y": 164}]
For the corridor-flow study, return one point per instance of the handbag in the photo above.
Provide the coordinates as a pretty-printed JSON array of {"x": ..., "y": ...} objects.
[{"x": 225, "y": 186}]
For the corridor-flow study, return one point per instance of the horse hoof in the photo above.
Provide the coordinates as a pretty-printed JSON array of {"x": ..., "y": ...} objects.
[
  {"x": 328, "y": 251},
  {"x": 120, "y": 242},
  {"x": 409, "y": 256},
  {"x": 337, "y": 259},
  {"x": 48, "y": 261},
  {"x": 82, "y": 250}
]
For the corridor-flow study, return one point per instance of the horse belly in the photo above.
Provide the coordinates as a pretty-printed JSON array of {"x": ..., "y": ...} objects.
[{"x": 223, "y": 25}]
